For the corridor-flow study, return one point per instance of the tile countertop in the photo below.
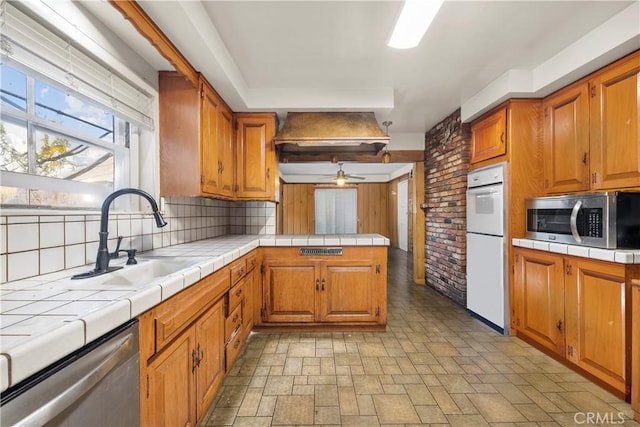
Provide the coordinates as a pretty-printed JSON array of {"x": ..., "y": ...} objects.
[
  {"x": 45, "y": 318},
  {"x": 622, "y": 256}
]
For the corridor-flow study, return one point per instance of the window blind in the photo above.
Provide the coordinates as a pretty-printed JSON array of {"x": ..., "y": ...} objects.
[{"x": 27, "y": 42}]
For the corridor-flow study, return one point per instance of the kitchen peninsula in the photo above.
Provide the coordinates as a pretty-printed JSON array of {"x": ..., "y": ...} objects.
[{"x": 290, "y": 280}]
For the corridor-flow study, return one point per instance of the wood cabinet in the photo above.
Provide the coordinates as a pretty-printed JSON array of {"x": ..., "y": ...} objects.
[
  {"x": 347, "y": 289},
  {"x": 614, "y": 138},
  {"x": 257, "y": 168},
  {"x": 635, "y": 349},
  {"x": 226, "y": 154},
  {"x": 189, "y": 342},
  {"x": 566, "y": 140},
  {"x": 489, "y": 136},
  {"x": 590, "y": 138},
  {"x": 578, "y": 309},
  {"x": 539, "y": 288},
  {"x": 210, "y": 161}
]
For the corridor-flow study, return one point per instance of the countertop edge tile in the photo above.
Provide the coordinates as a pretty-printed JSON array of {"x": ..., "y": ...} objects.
[
  {"x": 4, "y": 372},
  {"x": 42, "y": 350},
  {"x": 628, "y": 256},
  {"x": 145, "y": 299},
  {"x": 101, "y": 321}
]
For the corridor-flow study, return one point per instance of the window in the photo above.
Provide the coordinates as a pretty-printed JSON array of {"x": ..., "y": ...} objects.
[
  {"x": 57, "y": 149},
  {"x": 336, "y": 211},
  {"x": 70, "y": 121}
]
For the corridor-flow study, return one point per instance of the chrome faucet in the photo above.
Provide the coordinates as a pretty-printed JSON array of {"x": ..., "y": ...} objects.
[{"x": 103, "y": 257}]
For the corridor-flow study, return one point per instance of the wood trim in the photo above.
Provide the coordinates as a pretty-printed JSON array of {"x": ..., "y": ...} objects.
[
  {"x": 399, "y": 156},
  {"x": 134, "y": 13},
  {"x": 634, "y": 373},
  {"x": 418, "y": 225}
]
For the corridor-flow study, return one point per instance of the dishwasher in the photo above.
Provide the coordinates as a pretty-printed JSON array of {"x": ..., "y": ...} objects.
[{"x": 96, "y": 385}]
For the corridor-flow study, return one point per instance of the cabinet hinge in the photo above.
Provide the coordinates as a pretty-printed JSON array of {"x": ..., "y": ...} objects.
[
  {"x": 377, "y": 268},
  {"x": 518, "y": 322},
  {"x": 201, "y": 93},
  {"x": 377, "y": 311},
  {"x": 201, "y": 179},
  {"x": 569, "y": 269},
  {"x": 546, "y": 183},
  {"x": 570, "y": 350},
  {"x": 148, "y": 386},
  {"x": 262, "y": 269},
  {"x": 593, "y": 90},
  {"x": 594, "y": 178},
  {"x": 546, "y": 112}
]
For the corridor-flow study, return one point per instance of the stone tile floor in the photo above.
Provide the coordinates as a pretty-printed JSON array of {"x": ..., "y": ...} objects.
[{"x": 434, "y": 365}]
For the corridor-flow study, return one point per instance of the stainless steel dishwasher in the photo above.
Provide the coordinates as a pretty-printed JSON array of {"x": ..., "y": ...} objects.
[{"x": 94, "y": 386}]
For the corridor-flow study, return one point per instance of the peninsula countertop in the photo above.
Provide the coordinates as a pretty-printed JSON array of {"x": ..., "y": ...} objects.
[{"x": 45, "y": 318}]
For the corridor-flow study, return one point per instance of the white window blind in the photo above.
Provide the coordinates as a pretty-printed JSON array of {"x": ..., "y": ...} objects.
[
  {"x": 336, "y": 211},
  {"x": 27, "y": 42}
]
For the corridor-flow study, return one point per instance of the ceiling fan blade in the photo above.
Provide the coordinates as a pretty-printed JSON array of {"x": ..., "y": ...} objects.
[{"x": 354, "y": 176}]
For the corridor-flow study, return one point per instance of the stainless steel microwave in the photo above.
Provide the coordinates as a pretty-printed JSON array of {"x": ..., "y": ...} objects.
[{"x": 605, "y": 220}]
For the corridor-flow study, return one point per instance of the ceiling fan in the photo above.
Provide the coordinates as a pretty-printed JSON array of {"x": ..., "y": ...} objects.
[{"x": 341, "y": 177}]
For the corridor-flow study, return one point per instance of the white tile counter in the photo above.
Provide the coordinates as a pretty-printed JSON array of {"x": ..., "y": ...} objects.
[
  {"x": 44, "y": 318},
  {"x": 622, "y": 256}
]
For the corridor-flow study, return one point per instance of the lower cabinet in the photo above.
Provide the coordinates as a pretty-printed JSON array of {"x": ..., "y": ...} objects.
[
  {"x": 347, "y": 289},
  {"x": 577, "y": 309}
]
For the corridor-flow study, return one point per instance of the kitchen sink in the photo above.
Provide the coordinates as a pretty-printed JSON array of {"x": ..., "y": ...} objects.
[{"x": 148, "y": 269}]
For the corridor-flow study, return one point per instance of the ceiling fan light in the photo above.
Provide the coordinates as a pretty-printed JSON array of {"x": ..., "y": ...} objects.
[
  {"x": 340, "y": 181},
  {"x": 414, "y": 19}
]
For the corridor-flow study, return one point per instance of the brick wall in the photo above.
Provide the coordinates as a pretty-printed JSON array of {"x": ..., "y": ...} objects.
[{"x": 446, "y": 167}]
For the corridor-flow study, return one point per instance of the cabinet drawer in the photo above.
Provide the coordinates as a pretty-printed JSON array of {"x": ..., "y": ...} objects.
[
  {"x": 236, "y": 294},
  {"x": 233, "y": 323},
  {"x": 252, "y": 261},
  {"x": 177, "y": 315},
  {"x": 233, "y": 348},
  {"x": 238, "y": 270}
]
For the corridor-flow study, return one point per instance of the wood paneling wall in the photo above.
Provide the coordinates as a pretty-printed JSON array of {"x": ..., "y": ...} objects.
[
  {"x": 373, "y": 208},
  {"x": 296, "y": 209}
]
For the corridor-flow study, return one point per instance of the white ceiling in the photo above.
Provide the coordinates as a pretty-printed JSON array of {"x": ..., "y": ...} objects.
[{"x": 332, "y": 55}]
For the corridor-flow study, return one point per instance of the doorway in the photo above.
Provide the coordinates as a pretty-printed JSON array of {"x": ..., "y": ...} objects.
[{"x": 403, "y": 215}]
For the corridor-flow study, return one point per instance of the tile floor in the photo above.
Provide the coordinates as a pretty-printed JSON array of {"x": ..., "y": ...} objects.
[{"x": 433, "y": 366}]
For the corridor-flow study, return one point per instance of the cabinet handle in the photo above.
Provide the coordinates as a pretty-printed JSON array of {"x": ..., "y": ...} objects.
[
  {"x": 235, "y": 318},
  {"x": 559, "y": 325},
  {"x": 200, "y": 354},
  {"x": 239, "y": 292},
  {"x": 317, "y": 284},
  {"x": 194, "y": 358},
  {"x": 268, "y": 173},
  {"x": 584, "y": 158},
  {"x": 502, "y": 137},
  {"x": 237, "y": 343},
  {"x": 323, "y": 284}
]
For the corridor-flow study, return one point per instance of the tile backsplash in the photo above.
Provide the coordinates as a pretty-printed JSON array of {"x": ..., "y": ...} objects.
[{"x": 40, "y": 243}]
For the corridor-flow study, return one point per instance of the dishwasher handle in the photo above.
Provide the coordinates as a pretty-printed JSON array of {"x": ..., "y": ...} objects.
[{"x": 55, "y": 406}]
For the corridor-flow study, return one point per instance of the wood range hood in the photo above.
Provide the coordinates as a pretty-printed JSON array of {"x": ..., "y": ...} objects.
[{"x": 320, "y": 133}]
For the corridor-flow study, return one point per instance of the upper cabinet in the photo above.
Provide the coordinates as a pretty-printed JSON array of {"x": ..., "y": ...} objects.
[
  {"x": 565, "y": 136},
  {"x": 615, "y": 142},
  {"x": 488, "y": 136},
  {"x": 207, "y": 150},
  {"x": 590, "y": 136},
  {"x": 256, "y": 170}
]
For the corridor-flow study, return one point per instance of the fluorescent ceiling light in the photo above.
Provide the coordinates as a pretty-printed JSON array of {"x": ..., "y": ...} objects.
[{"x": 414, "y": 19}]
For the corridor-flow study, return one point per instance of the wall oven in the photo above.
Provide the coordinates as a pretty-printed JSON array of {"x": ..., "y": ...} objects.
[{"x": 605, "y": 220}]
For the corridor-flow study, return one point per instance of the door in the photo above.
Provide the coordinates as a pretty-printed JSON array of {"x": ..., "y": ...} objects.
[
  {"x": 256, "y": 172},
  {"x": 403, "y": 215},
  {"x": 171, "y": 380},
  {"x": 566, "y": 140},
  {"x": 208, "y": 140},
  {"x": 596, "y": 322},
  {"x": 290, "y": 290},
  {"x": 348, "y": 291},
  {"x": 485, "y": 278},
  {"x": 210, "y": 353},
  {"x": 615, "y": 141},
  {"x": 539, "y": 299}
]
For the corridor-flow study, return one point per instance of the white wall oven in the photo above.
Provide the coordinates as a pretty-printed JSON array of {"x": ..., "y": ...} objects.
[{"x": 486, "y": 290}]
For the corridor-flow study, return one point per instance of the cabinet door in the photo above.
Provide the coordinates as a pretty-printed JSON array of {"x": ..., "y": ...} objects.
[
  {"x": 170, "y": 399},
  {"x": 539, "y": 289},
  {"x": 247, "y": 302},
  {"x": 209, "y": 347},
  {"x": 225, "y": 152},
  {"x": 290, "y": 290},
  {"x": 595, "y": 313},
  {"x": 489, "y": 136},
  {"x": 566, "y": 140},
  {"x": 615, "y": 141},
  {"x": 256, "y": 169},
  {"x": 348, "y": 291},
  {"x": 635, "y": 350},
  {"x": 208, "y": 140}
]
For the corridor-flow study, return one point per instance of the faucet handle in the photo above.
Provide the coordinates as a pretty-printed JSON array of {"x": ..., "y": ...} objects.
[{"x": 116, "y": 253}]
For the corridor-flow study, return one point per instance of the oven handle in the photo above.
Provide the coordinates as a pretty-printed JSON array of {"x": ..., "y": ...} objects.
[
  {"x": 573, "y": 221},
  {"x": 51, "y": 409}
]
